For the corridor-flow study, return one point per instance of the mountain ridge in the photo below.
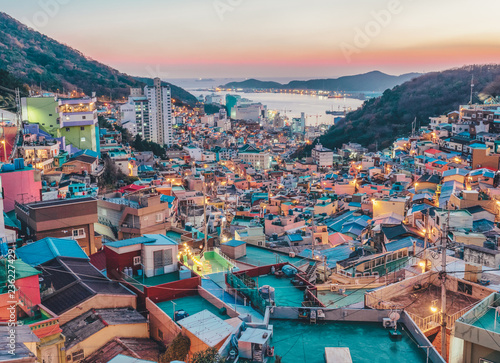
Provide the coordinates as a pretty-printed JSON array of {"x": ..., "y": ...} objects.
[
  {"x": 369, "y": 81},
  {"x": 389, "y": 116},
  {"x": 35, "y": 58}
]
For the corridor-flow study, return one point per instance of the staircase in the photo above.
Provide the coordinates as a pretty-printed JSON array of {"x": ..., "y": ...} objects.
[{"x": 310, "y": 274}]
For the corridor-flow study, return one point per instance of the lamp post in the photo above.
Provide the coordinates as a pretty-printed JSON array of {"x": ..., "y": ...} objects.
[{"x": 4, "y": 151}]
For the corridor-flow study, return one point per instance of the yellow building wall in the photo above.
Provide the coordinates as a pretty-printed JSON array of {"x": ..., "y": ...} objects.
[
  {"x": 99, "y": 302},
  {"x": 96, "y": 341},
  {"x": 381, "y": 207}
]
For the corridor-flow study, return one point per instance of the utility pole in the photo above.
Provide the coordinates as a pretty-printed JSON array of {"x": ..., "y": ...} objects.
[
  {"x": 443, "y": 288},
  {"x": 324, "y": 267},
  {"x": 205, "y": 213},
  {"x": 426, "y": 228}
]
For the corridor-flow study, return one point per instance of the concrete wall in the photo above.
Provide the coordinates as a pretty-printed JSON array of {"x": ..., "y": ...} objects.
[
  {"x": 217, "y": 302},
  {"x": 103, "y": 336},
  {"x": 99, "y": 301},
  {"x": 160, "y": 321}
]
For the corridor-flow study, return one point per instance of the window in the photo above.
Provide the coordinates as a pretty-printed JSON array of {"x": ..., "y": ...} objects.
[
  {"x": 464, "y": 288},
  {"x": 159, "y": 217},
  {"x": 78, "y": 355},
  {"x": 160, "y": 334},
  {"x": 84, "y": 117},
  {"x": 82, "y": 139},
  {"x": 82, "y": 128},
  {"x": 50, "y": 114},
  {"x": 162, "y": 258},
  {"x": 137, "y": 260},
  {"x": 67, "y": 129},
  {"x": 78, "y": 233}
]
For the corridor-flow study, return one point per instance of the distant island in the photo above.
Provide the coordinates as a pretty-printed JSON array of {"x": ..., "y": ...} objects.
[{"x": 374, "y": 81}]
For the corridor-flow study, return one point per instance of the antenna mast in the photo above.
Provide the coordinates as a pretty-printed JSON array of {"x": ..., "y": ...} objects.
[{"x": 471, "y": 89}]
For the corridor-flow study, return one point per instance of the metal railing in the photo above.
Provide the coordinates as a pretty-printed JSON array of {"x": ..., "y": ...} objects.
[
  {"x": 434, "y": 320},
  {"x": 426, "y": 323},
  {"x": 451, "y": 319}
]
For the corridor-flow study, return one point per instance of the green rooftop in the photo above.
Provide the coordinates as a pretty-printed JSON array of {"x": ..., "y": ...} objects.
[
  {"x": 22, "y": 270},
  {"x": 285, "y": 294},
  {"x": 159, "y": 279},
  {"x": 190, "y": 304},
  {"x": 335, "y": 300},
  {"x": 258, "y": 256},
  {"x": 299, "y": 341}
]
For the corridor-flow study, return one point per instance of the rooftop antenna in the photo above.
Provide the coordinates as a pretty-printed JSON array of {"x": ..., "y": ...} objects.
[{"x": 471, "y": 89}]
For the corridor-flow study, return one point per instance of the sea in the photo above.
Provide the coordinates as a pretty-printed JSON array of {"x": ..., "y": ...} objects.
[{"x": 290, "y": 105}]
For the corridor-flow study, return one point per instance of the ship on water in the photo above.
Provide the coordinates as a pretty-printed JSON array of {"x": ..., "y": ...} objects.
[{"x": 339, "y": 112}]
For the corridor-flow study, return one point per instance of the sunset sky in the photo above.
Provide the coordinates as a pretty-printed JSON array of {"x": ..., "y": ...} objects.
[{"x": 270, "y": 38}]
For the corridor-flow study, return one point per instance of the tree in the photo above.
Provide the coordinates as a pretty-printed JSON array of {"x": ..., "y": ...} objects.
[
  {"x": 210, "y": 355},
  {"x": 177, "y": 350},
  {"x": 111, "y": 174}
]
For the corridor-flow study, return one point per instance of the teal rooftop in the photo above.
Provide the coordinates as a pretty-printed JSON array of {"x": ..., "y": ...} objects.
[
  {"x": 258, "y": 256},
  {"x": 48, "y": 248},
  {"x": 299, "y": 341},
  {"x": 191, "y": 305}
]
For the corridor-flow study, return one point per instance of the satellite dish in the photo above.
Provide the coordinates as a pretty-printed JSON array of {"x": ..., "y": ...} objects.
[{"x": 394, "y": 316}]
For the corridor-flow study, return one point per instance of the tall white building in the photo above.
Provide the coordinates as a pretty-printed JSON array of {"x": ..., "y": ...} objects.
[
  {"x": 160, "y": 114},
  {"x": 134, "y": 115},
  {"x": 322, "y": 156}
]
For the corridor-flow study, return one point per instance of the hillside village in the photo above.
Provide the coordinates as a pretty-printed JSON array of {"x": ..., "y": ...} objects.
[{"x": 228, "y": 247}]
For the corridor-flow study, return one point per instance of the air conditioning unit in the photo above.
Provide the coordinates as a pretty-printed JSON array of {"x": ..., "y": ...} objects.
[{"x": 387, "y": 323}]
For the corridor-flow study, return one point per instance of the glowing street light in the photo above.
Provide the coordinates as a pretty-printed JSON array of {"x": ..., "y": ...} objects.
[{"x": 4, "y": 151}]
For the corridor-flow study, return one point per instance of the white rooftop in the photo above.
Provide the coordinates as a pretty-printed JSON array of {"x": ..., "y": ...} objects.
[
  {"x": 207, "y": 327},
  {"x": 256, "y": 336}
]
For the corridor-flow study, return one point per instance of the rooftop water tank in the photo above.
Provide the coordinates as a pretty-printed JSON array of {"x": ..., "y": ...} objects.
[{"x": 8, "y": 167}]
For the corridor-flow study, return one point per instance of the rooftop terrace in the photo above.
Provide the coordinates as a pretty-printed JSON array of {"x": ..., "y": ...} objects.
[
  {"x": 298, "y": 341},
  {"x": 159, "y": 279},
  {"x": 190, "y": 304},
  {"x": 455, "y": 301},
  {"x": 261, "y": 257},
  {"x": 335, "y": 300},
  {"x": 285, "y": 293}
]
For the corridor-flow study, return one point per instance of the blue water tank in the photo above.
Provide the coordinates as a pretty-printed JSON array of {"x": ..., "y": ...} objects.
[
  {"x": 8, "y": 167},
  {"x": 19, "y": 163}
]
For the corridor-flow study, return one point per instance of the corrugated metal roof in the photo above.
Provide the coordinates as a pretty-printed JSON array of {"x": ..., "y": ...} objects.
[{"x": 48, "y": 248}]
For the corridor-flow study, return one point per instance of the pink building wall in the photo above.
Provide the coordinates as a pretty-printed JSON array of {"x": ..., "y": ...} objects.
[
  {"x": 20, "y": 185},
  {"x": 30, "y": 287}
]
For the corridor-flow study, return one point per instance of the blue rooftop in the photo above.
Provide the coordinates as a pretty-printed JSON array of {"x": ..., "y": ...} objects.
[
  {"x": 404, "y": 243},
  {"x": 149, "y": 239},
  {"x": 295, "y": 237},
  {"x": 234, "y": 243},
  {"x": 48, "y": 248},
  {"x": 337, "y": 253}
]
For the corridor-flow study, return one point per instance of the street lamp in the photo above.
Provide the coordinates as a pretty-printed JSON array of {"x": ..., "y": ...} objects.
[
  {"x": 4, "y": 151},
  {"x": 422, "y": 265}
]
